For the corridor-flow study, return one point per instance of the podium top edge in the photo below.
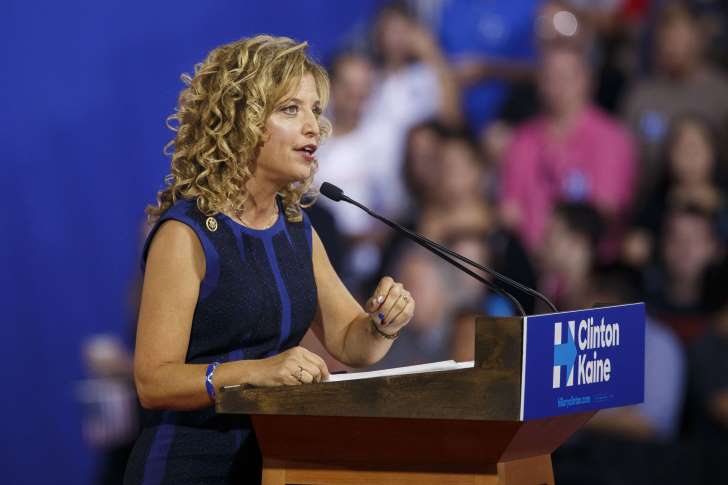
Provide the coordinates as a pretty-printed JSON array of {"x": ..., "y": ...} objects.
[{"x": 621, "y": 305}]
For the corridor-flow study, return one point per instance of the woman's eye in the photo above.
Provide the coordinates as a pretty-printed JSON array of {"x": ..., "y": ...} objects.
[{"x": 290, "y": 109}]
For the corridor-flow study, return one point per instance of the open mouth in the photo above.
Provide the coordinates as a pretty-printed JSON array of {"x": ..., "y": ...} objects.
[{"x": 308, "y": 151}]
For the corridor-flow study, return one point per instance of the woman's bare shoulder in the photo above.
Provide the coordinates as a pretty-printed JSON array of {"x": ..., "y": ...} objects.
[{"x": 176, "y": 245}]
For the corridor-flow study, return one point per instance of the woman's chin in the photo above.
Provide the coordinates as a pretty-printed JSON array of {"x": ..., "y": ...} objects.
[
  {"x": 304, "y": 172},
  {"x": 299, "y": 177}
]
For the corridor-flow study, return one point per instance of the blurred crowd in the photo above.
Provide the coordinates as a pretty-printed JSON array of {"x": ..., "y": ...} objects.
[{"x": 573, "y": 145}]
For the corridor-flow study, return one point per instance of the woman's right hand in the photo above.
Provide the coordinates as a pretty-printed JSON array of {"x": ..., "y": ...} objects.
[{"x": 293, "y": 367}]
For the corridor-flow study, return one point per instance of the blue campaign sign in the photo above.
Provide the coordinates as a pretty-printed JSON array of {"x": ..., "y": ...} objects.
[{"x": 583, "y": 360}]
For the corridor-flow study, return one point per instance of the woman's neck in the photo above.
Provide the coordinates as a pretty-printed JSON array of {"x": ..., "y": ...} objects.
[
  {"x": 261, "y": 203},
  {"x": 561, "y": 123}
]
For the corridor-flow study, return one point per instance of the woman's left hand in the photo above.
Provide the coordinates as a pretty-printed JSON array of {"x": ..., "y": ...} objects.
[{"x": 391, "y": 306}]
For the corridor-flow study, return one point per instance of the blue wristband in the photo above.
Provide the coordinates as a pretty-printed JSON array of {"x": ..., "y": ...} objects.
[{"x": 208, "y": 379}]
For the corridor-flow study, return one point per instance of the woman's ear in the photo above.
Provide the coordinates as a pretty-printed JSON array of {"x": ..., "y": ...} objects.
[
  {"x": 253, "y": 162},
  {"x": 264, "y": 136}
]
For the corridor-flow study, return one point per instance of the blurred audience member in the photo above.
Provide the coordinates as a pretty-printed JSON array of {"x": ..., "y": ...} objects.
[
  {"x": 415, "y": 82},
  {"x": 691, "y": 175},
  {"x": 504, "y": 254},
  {"x": 427, "y": 335},
  {"x": 558, "y": 21},
  {"x": 683, "y": 82},
  {"x": 445, "y": 177},
  {"x": 509, "y": 257},
  {"x": 501, "y": 251},
  {"x": 616, "y": 27},
  {"x": 712, "y": 15},
  {"x": 635, "y": 444},
  {"x": 458, "y": 201},
  {"x": 571, "y": 152},
  {"x": 490, "y": 43},
  {"x": 569, "y": 254},
  {"x": 708, "y": 397},
  {"x": 658, "y": 417},
  {"x": 493, "y": 141},
  {"x": 373, "y": 107},
  {"x": 353, "y": 160},
  {"x": 421, "y": 179},
  {"x": 466, "y": 290},
  {"x": 675, "y": 285},
  {"x": 111, "y": 410},
  {"x": 347, "y": 157},
  {"x": 423, "y": 150}
]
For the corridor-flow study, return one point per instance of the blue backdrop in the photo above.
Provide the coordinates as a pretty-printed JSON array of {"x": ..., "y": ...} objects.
[{"x": 86, "y": 86}]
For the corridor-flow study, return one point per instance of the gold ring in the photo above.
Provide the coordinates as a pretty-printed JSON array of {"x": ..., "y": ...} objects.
[{"x": 299, "y": 376}]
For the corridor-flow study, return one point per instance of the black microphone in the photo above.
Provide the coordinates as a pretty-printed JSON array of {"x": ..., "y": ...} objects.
[{"x": 336, "y": 194}]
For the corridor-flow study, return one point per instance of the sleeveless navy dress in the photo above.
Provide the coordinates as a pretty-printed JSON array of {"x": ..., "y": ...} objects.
[{"x": 257, "y": 299}]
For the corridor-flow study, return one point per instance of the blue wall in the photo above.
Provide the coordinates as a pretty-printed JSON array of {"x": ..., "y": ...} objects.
[{"x": 86, "y": 87}]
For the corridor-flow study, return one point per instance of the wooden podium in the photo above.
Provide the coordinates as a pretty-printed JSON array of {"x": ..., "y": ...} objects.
[{"x": 448, "y": 427}]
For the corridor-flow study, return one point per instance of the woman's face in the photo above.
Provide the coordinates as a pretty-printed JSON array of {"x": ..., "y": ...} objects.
[
  {"x": 460, "y": 174},
  {"x": 393, "y": 38},
  {"x": 563, "y": 80},
  {"x": 291, "y": 137},
  {"x": 688, "y": 246},
  {"x": 424, "y": 155},
  {"x": 691, "y": 157},
  {"x": 565, "y": 251},
  {"x": 678, "y": 46}
]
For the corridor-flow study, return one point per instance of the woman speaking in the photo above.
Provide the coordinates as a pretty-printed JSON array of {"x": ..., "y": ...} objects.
[{"x": 234, "y": 274}]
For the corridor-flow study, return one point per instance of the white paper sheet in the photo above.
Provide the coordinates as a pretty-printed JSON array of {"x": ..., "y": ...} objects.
[{"x": 396, "y": 371}]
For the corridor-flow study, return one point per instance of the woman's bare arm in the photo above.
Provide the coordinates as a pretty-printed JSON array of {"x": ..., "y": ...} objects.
[
  {"x": 175, "y": 267},
  {"x": 343, "y": 326}
]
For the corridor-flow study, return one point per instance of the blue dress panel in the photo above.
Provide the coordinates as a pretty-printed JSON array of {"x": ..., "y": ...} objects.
[{"x": 257, "y": 299}]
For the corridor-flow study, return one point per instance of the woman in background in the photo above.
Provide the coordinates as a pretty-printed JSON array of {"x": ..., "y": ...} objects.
[
  {"x": 234, "y": 272},
  {"x": 692, "y": 175}
]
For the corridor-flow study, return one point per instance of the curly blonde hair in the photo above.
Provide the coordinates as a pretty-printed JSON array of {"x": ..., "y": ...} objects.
[{"x": 220, "y": 123}]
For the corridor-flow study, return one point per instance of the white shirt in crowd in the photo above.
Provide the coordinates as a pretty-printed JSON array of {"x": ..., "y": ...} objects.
[{"x": 367, "y": 162}]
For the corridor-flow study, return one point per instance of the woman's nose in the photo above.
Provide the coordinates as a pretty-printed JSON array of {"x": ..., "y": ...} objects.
[{"x": 311, "y": 126}]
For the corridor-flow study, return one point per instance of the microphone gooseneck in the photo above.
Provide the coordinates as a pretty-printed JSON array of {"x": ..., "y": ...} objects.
[{"x": 336, "y": 194}]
